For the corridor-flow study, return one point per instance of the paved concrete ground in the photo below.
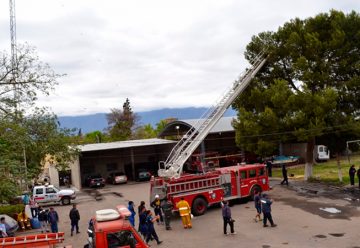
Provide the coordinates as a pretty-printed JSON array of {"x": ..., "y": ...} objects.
[{"x": 296, "y": 210}]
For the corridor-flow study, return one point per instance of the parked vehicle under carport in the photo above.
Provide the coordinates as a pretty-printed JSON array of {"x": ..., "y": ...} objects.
[{"x": 117, "y": 177}]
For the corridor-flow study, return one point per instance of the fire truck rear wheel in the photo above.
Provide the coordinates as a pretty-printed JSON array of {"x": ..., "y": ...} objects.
[{"x": 199, "y": 206}]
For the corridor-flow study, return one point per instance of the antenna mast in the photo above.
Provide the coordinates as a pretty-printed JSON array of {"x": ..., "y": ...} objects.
[{"x": 13, "y": 36}]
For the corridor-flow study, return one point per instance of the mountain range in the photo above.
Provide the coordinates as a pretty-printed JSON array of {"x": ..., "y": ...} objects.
[{"x": 94, "y": 122}]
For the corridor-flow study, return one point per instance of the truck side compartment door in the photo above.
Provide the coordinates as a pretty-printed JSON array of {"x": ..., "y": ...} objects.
[
  {"x": 225, "y": 181},
  {"x": 244, "y": 182}
]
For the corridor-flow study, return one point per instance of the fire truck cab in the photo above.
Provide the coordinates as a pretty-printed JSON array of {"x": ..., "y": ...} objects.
[
  {"x": 206, "y": 189},
  {"x": 111, "y": 228}
]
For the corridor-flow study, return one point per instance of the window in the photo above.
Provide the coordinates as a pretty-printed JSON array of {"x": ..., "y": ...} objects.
[
  {"x": 39, "y": 191},
  {"x": 50, "y": 191},
  {"x": 121, "y": 239},
  {"x": 321, "y": 149},
  {"x": 261, "y": 172},
  {"x": 243, "y": 174},
  {"x": 252, "y": 173}
]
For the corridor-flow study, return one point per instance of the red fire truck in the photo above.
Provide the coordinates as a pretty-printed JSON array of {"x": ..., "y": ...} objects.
[
  {"x": 209, "y": 186},
  {"x": 204, "y": 190}
]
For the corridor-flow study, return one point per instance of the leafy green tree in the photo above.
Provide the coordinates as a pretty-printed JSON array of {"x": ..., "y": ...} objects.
[
  {"x": 28, "y": 134},
  {"x": 145, "y": 132},
  {"x": 308, "y": 88},
  {"x": 121, "y": 122},
  {"x": 95, "y": 137},
  {"x": 25, "y": 142},
  {"x": 20, "y": 86},
  {"x": 29, "y": 140}
]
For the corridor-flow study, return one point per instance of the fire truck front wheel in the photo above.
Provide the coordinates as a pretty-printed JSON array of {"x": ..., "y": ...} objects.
[{"x": 199, "y": 206}]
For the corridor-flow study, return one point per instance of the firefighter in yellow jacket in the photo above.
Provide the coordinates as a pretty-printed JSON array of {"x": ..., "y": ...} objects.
[{"x": 185, "y": 212}]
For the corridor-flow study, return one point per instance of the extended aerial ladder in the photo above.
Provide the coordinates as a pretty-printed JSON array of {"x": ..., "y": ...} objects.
[
  {"x": 34, "y": 241},
  {"x": 173, "y": 166}
]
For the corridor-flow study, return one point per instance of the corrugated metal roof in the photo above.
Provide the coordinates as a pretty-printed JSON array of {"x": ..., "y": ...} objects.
[
  {"x": 124, "y": 144},
  {"x": 223, "y": 125}
]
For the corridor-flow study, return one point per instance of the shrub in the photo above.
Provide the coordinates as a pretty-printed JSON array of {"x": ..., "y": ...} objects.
[{"x": 11, "y": 210}]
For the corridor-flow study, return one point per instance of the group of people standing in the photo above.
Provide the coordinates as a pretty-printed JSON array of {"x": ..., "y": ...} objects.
[
  {"x": 352, "y": 172},
  {"x": 46, "y": 217},
  {"x": 146, "y": 221},
  {"x": 162, "y": 215},
  {"x": 262, "y": 206}
]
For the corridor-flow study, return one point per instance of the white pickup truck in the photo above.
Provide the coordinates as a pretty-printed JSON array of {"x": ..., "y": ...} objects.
[{"x": 50, "y": 194}]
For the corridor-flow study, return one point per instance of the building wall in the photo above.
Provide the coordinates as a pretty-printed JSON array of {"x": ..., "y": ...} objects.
[
  {"x": 75, "y": 173},
  {"x": 54, "y": 175}
]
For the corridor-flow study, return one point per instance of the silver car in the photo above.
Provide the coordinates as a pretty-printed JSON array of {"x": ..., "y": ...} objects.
[
  {"x": 117, "y": 177},
  {"x": 11, "y": 222}
]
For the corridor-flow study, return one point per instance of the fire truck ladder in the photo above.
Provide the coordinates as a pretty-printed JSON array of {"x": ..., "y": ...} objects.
[
  {"x": 188, "y": 186},
  {"x": 172, "y": 167},
  {"x": 36, "y": 240}
]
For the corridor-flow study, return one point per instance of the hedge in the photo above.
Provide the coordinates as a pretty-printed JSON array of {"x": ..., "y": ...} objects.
[{"x": 11, "y": 210}]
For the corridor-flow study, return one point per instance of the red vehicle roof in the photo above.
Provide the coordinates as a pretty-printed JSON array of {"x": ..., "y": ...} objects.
[{"x": 118, "y": 224}]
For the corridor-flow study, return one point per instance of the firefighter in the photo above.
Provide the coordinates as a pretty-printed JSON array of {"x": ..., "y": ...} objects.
[
  {"x": 23, "y": 220},
  {"x": 167, "y": 207},
  {"x": 156, "y": 204},
  {"x": 185, "y": 212}
]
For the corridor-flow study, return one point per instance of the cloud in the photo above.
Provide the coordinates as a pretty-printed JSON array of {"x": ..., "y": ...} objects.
[{"x": 157, "y": 53}]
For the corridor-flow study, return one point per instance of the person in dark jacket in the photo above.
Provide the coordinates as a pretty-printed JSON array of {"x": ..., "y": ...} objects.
[
  {"x": 156, "y": 204},
  {"x": 257, "y": 198},
  {"x": 352, "y": 172},
  {"x": 53, "y": 218},
  {"x": 74, "y": 217},
  {"x": 43, "y": 219},
  {"x": 266, "y": 209},
  {"x": 269, "y": 167},
  {"x": 132, "y": 211},
  {"x": 151, "y": 233},
  {"x": 141, "y": 208},
  {"x": 226, "y": 214},
  {"x": 142, "y": 222},
  {"x": 167, "y": 206},
  {"x": 285, "y": 177}
]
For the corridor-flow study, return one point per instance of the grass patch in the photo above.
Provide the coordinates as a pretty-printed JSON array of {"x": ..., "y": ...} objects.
[{"x": 326, "y": 172}]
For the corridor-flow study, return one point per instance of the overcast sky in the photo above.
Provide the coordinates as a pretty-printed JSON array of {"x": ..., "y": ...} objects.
[{"x": 157, "y": 53}]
